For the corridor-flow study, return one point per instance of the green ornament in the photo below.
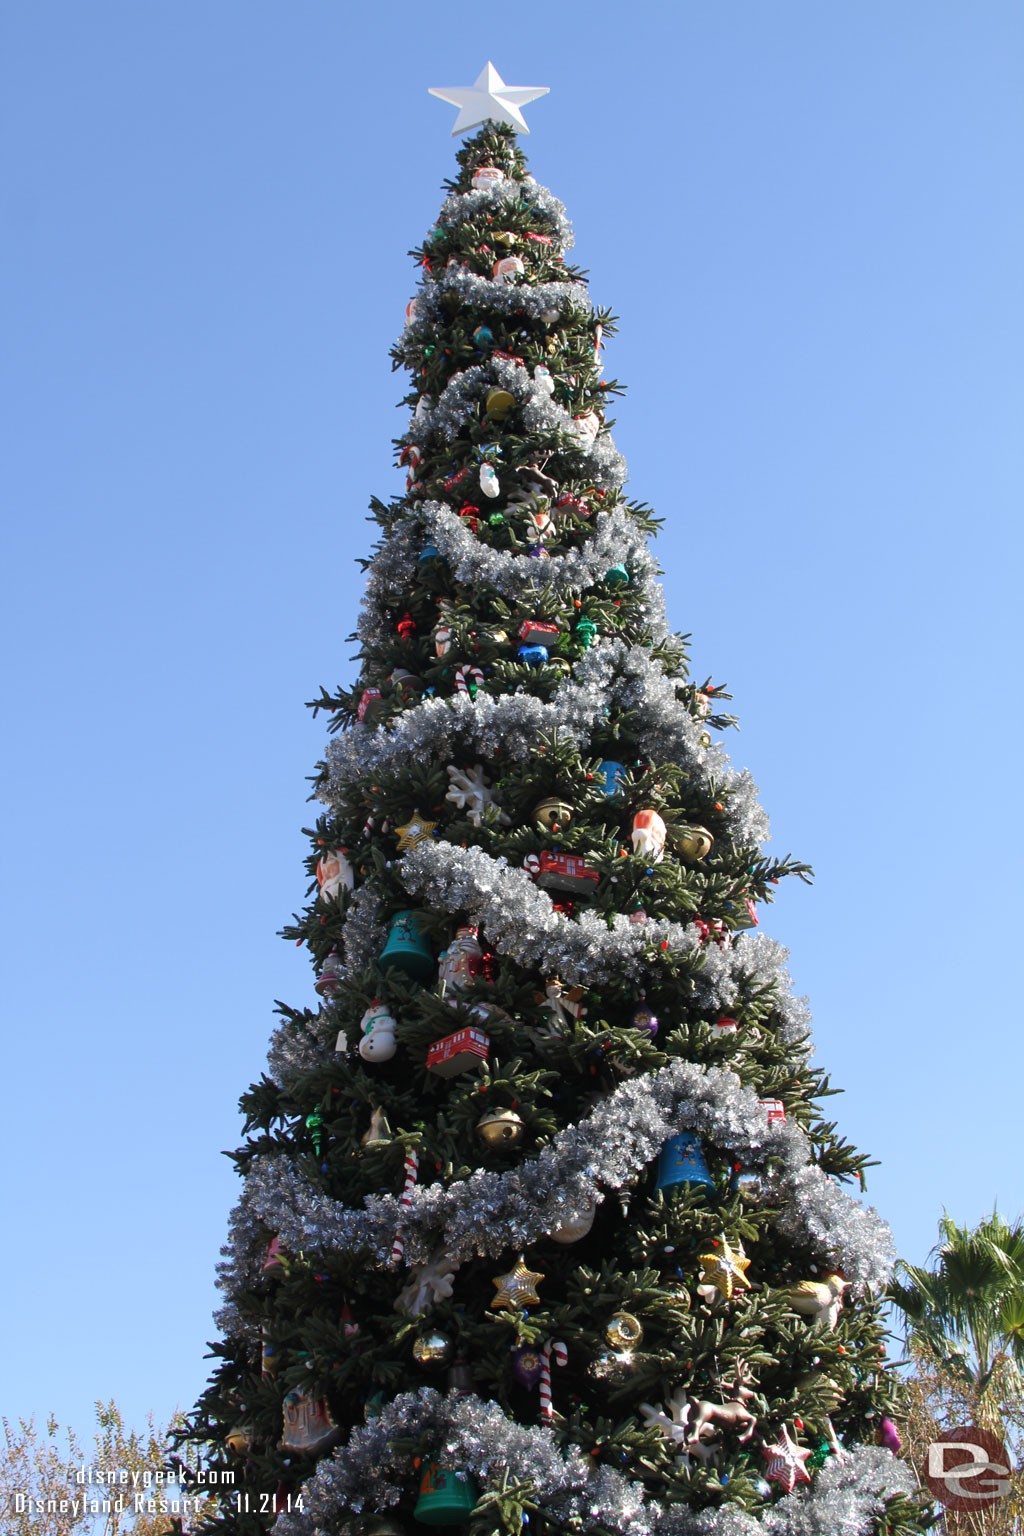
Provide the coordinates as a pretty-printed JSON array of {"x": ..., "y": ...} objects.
[
  {"x": 617, "y": 576},
  {"x": 587, "y": 631},
  {"x": 821, "y": 1453},
  {"x": 496, "y": 520},
  {"x": 315, "y": 1123}
]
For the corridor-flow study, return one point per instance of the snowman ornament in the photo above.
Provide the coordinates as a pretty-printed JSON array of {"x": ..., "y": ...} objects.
[{"x": 378, "y": 1027}]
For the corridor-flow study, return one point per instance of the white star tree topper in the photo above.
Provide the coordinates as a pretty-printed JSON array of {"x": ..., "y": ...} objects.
[{"x": 488, "y": 99}]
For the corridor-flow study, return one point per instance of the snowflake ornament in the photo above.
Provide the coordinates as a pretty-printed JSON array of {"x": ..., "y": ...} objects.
[
  {"x": 471, "y": 792},
  {"x": 430, "y": 1283}
]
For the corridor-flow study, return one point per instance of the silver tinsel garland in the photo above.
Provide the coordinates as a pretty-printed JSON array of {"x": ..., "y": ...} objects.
[
  {"x": 520, "y": 920},
  {"x": 460, "y": 402},
  {"x": 459, "y": 206},
  {"x": 490, "y": 1212},
  {"x": 388, "y": 578},
  {"x": 370, "y": 1473},
  {"x": 616, "y": 540},
  {"x": 365, "y": 931},
  {"x": 568, "y": 300},
  {"x": 751, "y": 959},
  {"x": 610, "y": 674}
]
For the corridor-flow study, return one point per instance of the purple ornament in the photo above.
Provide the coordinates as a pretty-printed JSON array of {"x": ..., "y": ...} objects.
[
  {"x": 889, "y": 1436},
  {"x": 526, "y": 1367},
  {"x": 644, "y": 1020}
]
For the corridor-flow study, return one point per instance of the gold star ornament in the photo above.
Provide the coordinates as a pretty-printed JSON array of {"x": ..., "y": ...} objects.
[
  {"x": 517, "y": 1287},
  {"x": 416, "y": 830},
  {"x": 726, "y": 1269}
]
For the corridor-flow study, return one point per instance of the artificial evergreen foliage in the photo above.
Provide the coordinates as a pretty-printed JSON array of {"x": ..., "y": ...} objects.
[{"x": 626, "y": 998}]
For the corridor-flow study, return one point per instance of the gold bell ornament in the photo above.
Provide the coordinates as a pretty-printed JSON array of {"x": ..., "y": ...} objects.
[
  {"x": 500, "y": 1128},
  {"x": 552, "y": 814},
  {"x": 693, "y": 843}
]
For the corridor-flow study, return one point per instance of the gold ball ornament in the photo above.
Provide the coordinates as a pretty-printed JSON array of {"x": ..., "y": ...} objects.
[
  {"x": 693, "y": 843},
  {"x": 385, "y": 1525},
  {"x": 498, "y": 404},
  {"x": 624, "y": 1331},
  {"x": 432, "y": 1349},
  {"x": 552, "y": 814},
  {"x": 517, "y": 1288},
  {"x": 500, "y": 1128}
]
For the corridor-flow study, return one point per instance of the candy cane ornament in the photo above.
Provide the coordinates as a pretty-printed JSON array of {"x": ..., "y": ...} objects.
[
  {"x": 468, "y": 680},
  {"x": 412, "y": 1163},
  {"x": 557, "y": 1348}
]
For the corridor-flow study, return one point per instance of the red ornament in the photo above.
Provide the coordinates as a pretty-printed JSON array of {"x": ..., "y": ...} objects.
[
  {"x": 561, "y": 872},
  {"x": 533, "y": 632},
  {"x": 406, "y": 626},
  {"x": 568, "y": 500},
  {"x": 369, "y": 705},
  {"x": 458, "y": 1053}
]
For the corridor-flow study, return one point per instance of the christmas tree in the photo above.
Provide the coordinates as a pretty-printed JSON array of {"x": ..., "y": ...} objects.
[{"x": 541, "y": 1223}]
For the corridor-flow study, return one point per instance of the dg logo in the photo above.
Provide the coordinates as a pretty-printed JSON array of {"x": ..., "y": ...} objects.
[{"x": 968, "y": 1469}]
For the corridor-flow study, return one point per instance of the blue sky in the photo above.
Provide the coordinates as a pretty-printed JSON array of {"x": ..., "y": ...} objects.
[{"x": 809, "y": 220}]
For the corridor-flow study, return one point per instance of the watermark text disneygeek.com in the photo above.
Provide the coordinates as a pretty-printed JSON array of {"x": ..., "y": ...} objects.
[{"x": 106, "y": 1490}]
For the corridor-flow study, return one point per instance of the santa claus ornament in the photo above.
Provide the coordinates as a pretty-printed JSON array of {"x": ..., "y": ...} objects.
[
  {"x": 648, "y": 836},
  {"x": 334, "y": 873}
]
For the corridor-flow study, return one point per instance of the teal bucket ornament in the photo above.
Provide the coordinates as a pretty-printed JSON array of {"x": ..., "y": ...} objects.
[
  {"x": 446, "y": 1498},
  {"x": 406, "y": 948}
]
